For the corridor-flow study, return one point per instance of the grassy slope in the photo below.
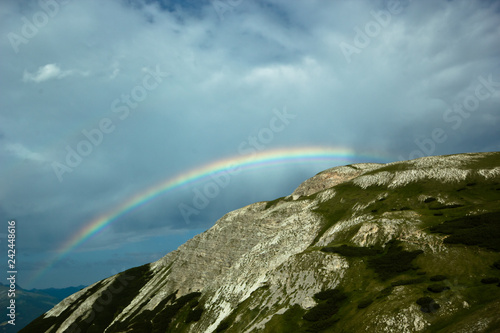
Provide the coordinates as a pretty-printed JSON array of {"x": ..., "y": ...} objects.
[{"x": 464, "y": 266}]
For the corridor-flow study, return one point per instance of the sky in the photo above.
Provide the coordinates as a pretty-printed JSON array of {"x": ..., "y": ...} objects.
[{"x": 129, "y": 126}]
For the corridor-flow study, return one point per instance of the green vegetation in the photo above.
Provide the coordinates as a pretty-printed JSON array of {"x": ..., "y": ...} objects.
[
  {"x": 490, "y": 280},
  {"x": 387, "y": 263},
  {"x": 365, "y": 303},
  {"x": 228, "y": 321},
  {"x": 481, "y": 230},
  {"x": 437, "y": 278},
  {"x": 407, "y": 282},
  {"x": 320, "y": 316},
  {"x": 319, "y": 326},
  {"x": 290, "y": 321},
  {"x": 437, "y": 288},
  {"x": 224, "y": 325},
  {"x": 385, "y": 292},
  {"x": 116, "y": 297},
  {"x": 185, "y": 309},
  {"x": 322, "y": 311},
  {"x": 427, "y": 304},
  {"x": 446, "y": 207},
  {"x": 393, "y": 262},
  {"x": 272, "y": 203},
  {"x": 330, "y": 294},
  {"x": 163, "y": 318},
  {"x": 194, "y": 315}
]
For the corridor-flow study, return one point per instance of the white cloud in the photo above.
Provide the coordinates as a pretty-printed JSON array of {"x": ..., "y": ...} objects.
[
  {"x": 24, "y": 153},
  {"x": 48, "y": 72}
]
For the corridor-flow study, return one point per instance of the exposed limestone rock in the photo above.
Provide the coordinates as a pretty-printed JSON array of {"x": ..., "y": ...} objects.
[
  {"x": 260, "y": 262},
  {"x": 332, "y": 177}
]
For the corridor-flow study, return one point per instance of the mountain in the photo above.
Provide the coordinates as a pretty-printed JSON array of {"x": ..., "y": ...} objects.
[
  {"x": 410, "y": 246},
  {"x": 58, "y": 293},
  {"x": 31, "y": 304}
]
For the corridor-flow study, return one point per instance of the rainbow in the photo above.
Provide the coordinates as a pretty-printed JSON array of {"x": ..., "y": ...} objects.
[{"x": 230, "y": 165}]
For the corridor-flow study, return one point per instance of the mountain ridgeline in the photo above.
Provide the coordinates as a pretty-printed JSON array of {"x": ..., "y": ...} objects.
[
  {"x": 32, "y": 303},
  {"x": 410, "y": 246}
]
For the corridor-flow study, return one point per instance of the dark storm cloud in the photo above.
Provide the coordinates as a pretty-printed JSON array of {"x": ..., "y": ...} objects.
[{"x": 102, "y": 100}]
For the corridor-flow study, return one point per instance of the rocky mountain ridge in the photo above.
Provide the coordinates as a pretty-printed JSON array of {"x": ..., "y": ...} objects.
[{"x": 354, "y": 248}]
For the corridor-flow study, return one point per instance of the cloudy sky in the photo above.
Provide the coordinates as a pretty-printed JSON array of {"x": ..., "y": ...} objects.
[{"x": 102, "y": 100}]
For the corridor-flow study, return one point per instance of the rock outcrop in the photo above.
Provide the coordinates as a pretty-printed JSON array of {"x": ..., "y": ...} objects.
[
  {"x": 400, "y": 247},
  {"x": 332, "y": 177}
]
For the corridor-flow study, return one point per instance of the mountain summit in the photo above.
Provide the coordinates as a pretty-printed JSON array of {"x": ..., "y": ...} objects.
[{"x": 409, "y": 246}]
